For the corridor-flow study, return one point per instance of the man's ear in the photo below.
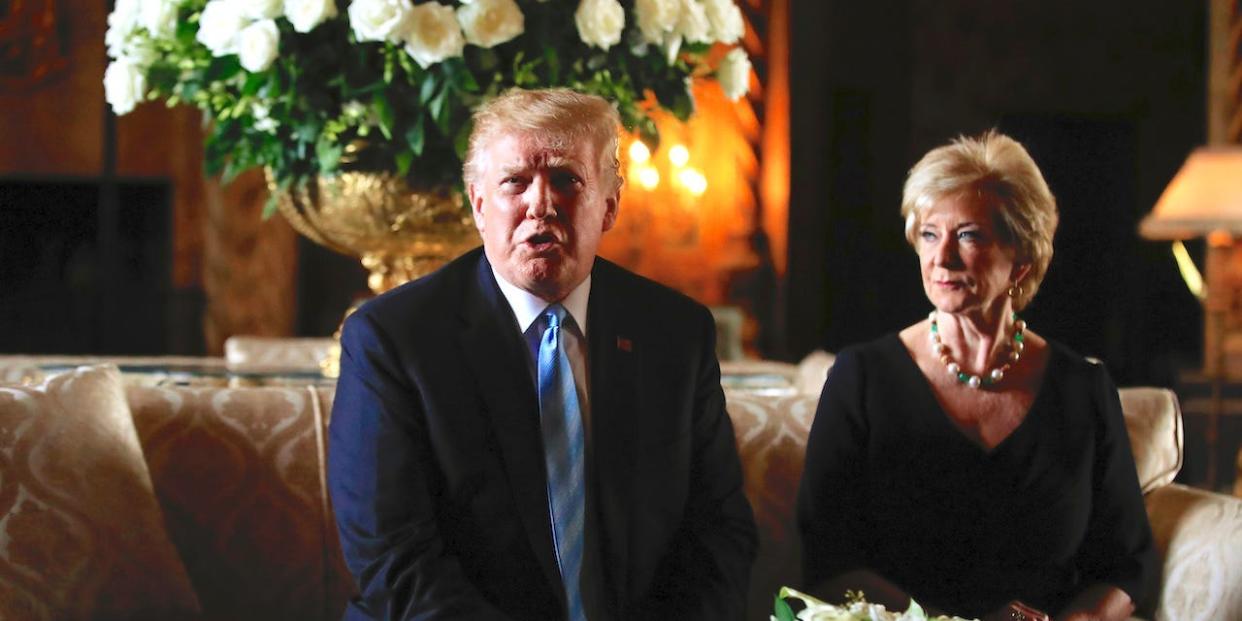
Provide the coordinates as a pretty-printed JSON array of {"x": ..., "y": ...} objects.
[
  {"x": 612, "y": 204},
  {"x": 476, "y": 206}
]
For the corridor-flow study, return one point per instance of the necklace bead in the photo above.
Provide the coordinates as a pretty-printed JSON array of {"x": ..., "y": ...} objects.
[{"x": 1017, "y": 344}]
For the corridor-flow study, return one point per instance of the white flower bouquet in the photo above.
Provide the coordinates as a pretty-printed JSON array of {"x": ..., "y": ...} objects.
[
  {"x": 310, "y": 87},
  {"x": 855, "y": 609}
]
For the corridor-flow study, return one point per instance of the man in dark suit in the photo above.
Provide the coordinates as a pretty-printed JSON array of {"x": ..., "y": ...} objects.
[{"x": 532, "y": 432}]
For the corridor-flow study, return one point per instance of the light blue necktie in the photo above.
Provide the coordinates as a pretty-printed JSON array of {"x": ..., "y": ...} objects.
[{"x": 563, "y": 444}]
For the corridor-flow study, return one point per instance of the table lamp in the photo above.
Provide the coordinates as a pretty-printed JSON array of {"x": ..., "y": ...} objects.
[{"x": 1204, "y": 199}]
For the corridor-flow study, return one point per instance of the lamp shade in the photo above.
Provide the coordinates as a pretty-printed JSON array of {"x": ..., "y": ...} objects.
[{"x": 1205, "y": 196}]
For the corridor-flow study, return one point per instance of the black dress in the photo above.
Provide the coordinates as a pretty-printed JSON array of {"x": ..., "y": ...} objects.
[{"x": 894, "y": 486}]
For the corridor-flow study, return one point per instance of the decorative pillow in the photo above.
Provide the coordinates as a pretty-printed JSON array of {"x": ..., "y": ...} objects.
[
  {"x": 81, "y": 536},
  {"x": 1154, "y": 423}
]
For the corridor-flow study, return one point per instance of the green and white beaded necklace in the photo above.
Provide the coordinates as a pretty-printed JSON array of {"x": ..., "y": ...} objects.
[{"x": 1016, "y": 346}]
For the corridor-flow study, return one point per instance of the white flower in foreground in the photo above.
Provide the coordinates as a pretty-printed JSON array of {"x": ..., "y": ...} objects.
[
  {"x": 219, "y": 25},
  {"x": 692, "y": 24},
  {"x": 434, "y": 34},
  {"x": 488, "y": 23},
  {"x": 379, "y": 20},
  {"x": 121, "y": 24},
  {"x": 600, "y": 22},
  {"x": 306, "y": 14},
  {"x": 124, "y": 85},
  {"x": 263, "y": 120},
  {"x": 159, "y": 17},
  {"x": 262, "y": 9},
  {"x": 656, "y": 17},
  {"x": 726, "y": 19},
  {"x": 734, "y": 74},
  {"x": 257, "y": 45}
]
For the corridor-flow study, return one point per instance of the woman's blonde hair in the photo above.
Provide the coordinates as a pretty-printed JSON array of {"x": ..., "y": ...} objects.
[
  {"x": 559, "y": 116},
  {"x": 999, "y": 168}
]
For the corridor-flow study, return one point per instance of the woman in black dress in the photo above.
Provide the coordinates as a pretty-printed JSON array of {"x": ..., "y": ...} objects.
[{"x": 966, "y": 461}]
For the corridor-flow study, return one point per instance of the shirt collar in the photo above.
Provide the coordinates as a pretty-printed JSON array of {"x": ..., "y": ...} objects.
[{"x": 527, "y": 307}]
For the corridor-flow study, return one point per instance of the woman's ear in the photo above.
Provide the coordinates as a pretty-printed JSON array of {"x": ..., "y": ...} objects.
[{"x": 1020, "y": 272}]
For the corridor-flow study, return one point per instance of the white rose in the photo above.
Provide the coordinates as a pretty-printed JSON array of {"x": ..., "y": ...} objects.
[
  {"x": 263, "y": 120},
  {"x": 124, "y": 85},
  {"x": 306, "y": 14},
  {"x": 726, "y": 20},
  {"x": 600, "y": 22},
  {"x": 488, "y": 23},
  {"x": 219, "y": 25},
  {"x": 734, "y": 74},
  {"x": 434, "y": 34},
  {"x": 257, "y": 45},
  {"x": 121, "y": 24},
  {"x": 656, "y": 17},
  {"x": 692, "y": 25},
  {"x": 379, "y": 20},
  {"x": 262, "y": 9},
  {"x": 159, "y": 17}
]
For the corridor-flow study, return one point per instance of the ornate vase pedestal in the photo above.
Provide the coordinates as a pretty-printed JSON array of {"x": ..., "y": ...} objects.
[{"x": 398, "y": 233}]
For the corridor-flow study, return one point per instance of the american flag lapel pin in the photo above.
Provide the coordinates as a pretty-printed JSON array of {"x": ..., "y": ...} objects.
[{"x": 624, "y": 344}]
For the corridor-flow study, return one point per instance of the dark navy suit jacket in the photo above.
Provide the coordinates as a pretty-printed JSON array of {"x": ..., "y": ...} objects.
[{"x": 436, "y": 468}]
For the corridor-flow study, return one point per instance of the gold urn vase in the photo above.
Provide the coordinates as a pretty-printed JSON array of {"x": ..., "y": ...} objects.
[{"x": 398, "y": 233}]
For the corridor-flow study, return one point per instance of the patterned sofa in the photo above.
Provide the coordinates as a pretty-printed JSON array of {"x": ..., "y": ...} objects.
[{"x": 125, "y": 500}]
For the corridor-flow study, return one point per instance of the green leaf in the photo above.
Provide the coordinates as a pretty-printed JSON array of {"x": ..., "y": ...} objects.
[
  {"x": 329, "y": 156},
  {"x": 384, "y": 113},
  {"x": 782, "y": 611},
  {"x": 404, "y": 159},
  {"x": 428, "y": 89},
  {"x": 416, "y": 136},
  {"x": 461, "y": 142},
  {"x": 439, "y": 109}
]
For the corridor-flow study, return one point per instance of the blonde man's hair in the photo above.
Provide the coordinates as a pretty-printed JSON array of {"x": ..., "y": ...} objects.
[
  {"x": 558, "y": 116},
  {"x": 998, "y": 168}
]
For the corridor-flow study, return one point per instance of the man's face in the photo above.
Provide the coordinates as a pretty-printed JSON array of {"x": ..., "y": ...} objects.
[{"x": 541, "y": 210}]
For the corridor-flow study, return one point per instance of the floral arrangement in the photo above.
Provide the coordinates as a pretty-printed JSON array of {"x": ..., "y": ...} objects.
[
  {"x": 856, "y": 608},
  {"x": 312, "y": 87}
]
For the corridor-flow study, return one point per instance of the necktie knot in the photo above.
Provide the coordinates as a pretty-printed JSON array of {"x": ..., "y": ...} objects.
[{"x": 555, "y": 316}]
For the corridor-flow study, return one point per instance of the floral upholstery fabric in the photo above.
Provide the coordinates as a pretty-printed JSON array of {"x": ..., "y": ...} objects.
[
  {"x": 258, "y": 353},
  {"x": 1199, "y": 535},
  {"x": 81, "y": 536},
  {"x": 239, "y": 474},
  {"x": 771, "y": 436}
]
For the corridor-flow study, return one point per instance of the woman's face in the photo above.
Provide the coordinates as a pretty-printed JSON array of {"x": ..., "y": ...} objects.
[{"x": 966, "y": 268}]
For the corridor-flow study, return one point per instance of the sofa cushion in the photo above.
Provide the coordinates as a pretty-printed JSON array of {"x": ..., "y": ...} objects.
[
  {"x": 1154, "y": 422},
  {"x": 239, "y": 472},
  {"x": 771, "y": 436},
  {"x": 82, "y": 534}
]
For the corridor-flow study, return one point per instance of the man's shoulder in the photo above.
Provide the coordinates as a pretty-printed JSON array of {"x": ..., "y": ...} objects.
[{"x": 641, "y": 293}]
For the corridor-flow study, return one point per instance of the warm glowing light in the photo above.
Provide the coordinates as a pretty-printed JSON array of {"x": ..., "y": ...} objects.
[
  {"x": 648, "y": 177},
  {"x": 639, "y": 152},
  {"x": 693, "y": 180},
  {"x": 678, "y": 155}
]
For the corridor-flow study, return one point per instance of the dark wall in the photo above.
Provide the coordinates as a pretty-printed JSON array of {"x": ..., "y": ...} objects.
[{"x": 1108, "y": 96}]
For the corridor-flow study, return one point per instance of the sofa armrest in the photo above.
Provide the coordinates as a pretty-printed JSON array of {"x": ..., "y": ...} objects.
[{"x": 1199, "y": 537}]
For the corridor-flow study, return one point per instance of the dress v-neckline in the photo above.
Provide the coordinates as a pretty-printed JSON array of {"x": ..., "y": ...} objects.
[{"x": 929, "y": 393}]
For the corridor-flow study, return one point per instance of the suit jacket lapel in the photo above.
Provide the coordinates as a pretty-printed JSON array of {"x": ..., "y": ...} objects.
[
  {"x": 497, "y": 356},
  {"x": 614, "y": 393}
]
